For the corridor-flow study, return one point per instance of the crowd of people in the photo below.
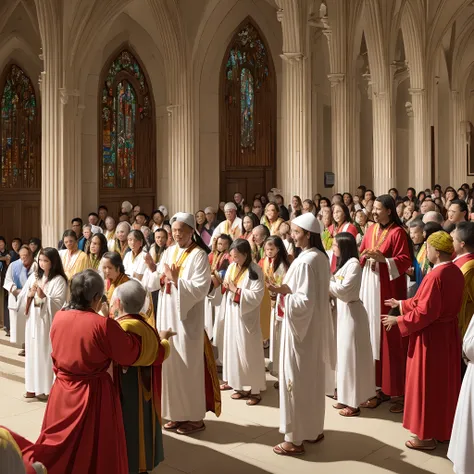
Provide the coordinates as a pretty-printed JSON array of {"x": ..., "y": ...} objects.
[{"x": 360, "y": 298}]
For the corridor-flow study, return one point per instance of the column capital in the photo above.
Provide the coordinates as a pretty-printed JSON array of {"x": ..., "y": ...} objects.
[
  {"x": 292, "y": 57},
  {"x": 336, "y": 78}
]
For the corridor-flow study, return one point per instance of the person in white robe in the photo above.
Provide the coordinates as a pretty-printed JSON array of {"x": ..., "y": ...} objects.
[
  {"x": 43, "y": 296},
  {"x": 244, "y": 359},
  {"x": 134, "y": 260},
  {"x": 355, "y": 380},
  {"x": 185, "y": 279},
  {"x": 15, "y": 279},
  {"x": 305, "y": 340},
  {"x": 231, "y": 226},
  {"x": 461, "y": 446}
]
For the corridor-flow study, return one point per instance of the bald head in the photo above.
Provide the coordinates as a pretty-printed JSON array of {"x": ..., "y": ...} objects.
[
  {"x": 433, "y": 216},
  {"x": 260, "y": 234},
  {"x": 427, "y": 206}
]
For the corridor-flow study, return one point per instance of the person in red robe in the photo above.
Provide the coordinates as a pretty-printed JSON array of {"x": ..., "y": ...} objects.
[
  {"x": 83, "y": 430},
  {"x": 430, "y": 321},
  {"x": 385, "y": 257}
]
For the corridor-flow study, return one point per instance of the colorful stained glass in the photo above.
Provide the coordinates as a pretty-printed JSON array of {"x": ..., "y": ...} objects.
[
  {"x": 246, "y": 108},
  {"x": 121, "y": 109},
  {"x": 18, "y": 143},
  {"x": 246, "y": 68}
]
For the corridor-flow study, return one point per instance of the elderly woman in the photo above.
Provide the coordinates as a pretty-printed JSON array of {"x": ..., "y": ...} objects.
[
  {"x": 120, "y": 243},
  {"x": 140, "y": 384},
  {"x": 84, "y": 344}
]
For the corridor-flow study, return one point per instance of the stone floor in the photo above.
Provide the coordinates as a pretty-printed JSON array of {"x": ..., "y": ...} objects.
[{"x": 240, "y": 441}]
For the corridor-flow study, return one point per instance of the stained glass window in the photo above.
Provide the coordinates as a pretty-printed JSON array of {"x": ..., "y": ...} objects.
[
  {"x": 247, "y": 68},
  {"x": 125, "y": 101},
  {"x": 19, "y": 145}
]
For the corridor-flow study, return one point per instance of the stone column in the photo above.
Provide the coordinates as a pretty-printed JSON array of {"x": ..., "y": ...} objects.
[
  {"x": 296, "y": 172},
  {"x": 422, "y": 171},
  {"x": 458, "y": 141},
  {"x": 384, "y": 163},
  {"x": 411, "y": 143}
]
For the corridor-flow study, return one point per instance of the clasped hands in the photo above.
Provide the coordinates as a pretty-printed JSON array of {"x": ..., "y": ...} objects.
[
  {"x": 389, "y": 321},
  {"x": 171, "y": 274},
  {"x": 230, "y": 286},
  {"x": 38, "y": 290},
  {"x": 281, "y": 290},
  {"x": 376, "y": 255}
]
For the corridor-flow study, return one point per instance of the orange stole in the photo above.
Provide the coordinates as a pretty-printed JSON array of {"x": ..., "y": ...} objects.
[{"x": 211, "y": 379}]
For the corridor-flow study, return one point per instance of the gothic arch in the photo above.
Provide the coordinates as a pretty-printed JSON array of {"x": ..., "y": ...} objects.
[
  {"x": 127, "y": 132},
  {"x": 247, "y": 110},
  {"x": 20, "y": 153}
]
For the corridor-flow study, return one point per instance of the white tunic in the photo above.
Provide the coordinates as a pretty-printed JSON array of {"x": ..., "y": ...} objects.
[
  {"x": 244, "y": 361},
  {"x": 38, "y": 362},
  {"x": 183, "y": 395},
  {"x": 234, "y": 230},
  {"x": 17, "y": 314},
  {"x": 304, "y": 347},
  {"x": 355, "y": 379},
  {"x": 135, "y": 265},
  {"x": 461, "y": 447}
]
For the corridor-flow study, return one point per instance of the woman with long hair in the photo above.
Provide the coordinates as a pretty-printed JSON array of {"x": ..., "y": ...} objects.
[
  {"x": 96, "y": 250},
  {"x": 120, "y": 243},
  {"x": 74, "y": 260},
  {"x": 35, "y": 246},
  {"x": 385, "y": 258},
  {"x": 134, "y": 260},
  {"x": 249, "y": 222},
  {"x": 355, "y": 380},
  {"x": 296, "y": 208},
  {"x": 42, "y": 297},
  {"x": 272, "y": 219},
  {"x": 275, "y": 264},
  {"x": 243, "y": 359},
  {"x": 200, "y": 221}
]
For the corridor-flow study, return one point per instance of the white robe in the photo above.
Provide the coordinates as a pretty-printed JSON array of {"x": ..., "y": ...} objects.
[
  {"x": 355, "y": 379},
  {"x": 304, "y": 347},
  {"x": 38, "y": 362},
  {"x": 134, "y": 265},
  {"x": 243, "y": 360},
  {"x": 183, "y": 394},
  {"x": 236, "y": 229},
  {"x": 461, "y": 447},
  {"x": 17, "y": 314}
]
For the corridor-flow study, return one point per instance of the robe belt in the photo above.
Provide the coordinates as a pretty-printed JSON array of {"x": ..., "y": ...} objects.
[{"x": 80, "y": 378}]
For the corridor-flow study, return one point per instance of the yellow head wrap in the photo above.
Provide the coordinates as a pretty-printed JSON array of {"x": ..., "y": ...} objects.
[{"x": 441, "y": 241}]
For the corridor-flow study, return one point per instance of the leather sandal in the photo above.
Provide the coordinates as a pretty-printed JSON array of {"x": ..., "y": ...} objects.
[
  {"x": 173, "y": 425},
  {"x": 349, "y": 412},
  {"x": 240, "y": 395},
  {"x": 254, "y": 400},
  {"x": 420, "y": 445},
  {"x": 293, "y": 451},
  {"x": 190, "y": 427}
]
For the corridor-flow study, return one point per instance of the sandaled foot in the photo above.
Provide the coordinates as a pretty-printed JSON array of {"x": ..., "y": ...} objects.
[
  {"x": 371, "y": 403},
  {"x": 348, "y": 412},
  {"x": 254, "y": 400},
  {"x": 191, "y": 427},
  {"x": 314, "y": 441},
  {"x": 173, "y": 425},
  {"x": 225, "y": 387},
  {"x": 397, "y": 407},
  {"x": 240, "y": 395},
  {"x": 421, "y": 445},
  {"x": 29, "y": 395},
  {"x": 339, "y": 406},
  {"x": 288, "y": 449}
]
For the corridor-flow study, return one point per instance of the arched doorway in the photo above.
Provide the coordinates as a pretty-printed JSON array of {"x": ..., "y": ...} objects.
[
  {"x": 247, "y": 122},
  {"x": 127, "y": 135},
  {"x": 20, "y": 154}
]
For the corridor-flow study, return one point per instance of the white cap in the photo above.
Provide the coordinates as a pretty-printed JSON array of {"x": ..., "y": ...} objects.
[
  {"x": 188, "y": 219},
  {"x": 230, "y": 206},
  {"x": 308, "y": 222},
  {"x": 163, "y": 210},
  {"x": 96, "y": 229}
]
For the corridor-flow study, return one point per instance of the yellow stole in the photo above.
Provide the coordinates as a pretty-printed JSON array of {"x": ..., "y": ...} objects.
[{"x": 467, "y": 306}]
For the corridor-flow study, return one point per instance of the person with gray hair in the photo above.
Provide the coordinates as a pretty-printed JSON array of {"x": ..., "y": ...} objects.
[
  {"x": 139, "y": 410},
  {"x": 84, "y": 344},
  {"x": 433, "y": 216}
]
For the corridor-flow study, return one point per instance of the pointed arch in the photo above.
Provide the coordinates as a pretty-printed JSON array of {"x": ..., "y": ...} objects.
[
  {"x": 247, "y": 110},
  {"x": 127, "y": 132},
  {"x": 20, "y": 154}
]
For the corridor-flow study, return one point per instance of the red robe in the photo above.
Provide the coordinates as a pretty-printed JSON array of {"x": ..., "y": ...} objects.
[
  {"x": 82, "y": 429},
  {"x": 390, "y": 369},
  {"x": 351, "y": 228},
  {"x": 433, "y": 381}
]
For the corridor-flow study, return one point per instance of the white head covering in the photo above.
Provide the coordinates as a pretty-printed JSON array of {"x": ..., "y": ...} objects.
[
  {"x": 96, "y": 229},
  {"x": 127, "y": 205},
  {"x": 308, "y": 222},
  {"x": 163, "y": 210},
  {"x": 188, "y": 219},
  {"x": 230, "y": 206},
  {"x": 210, "y": 209}
]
